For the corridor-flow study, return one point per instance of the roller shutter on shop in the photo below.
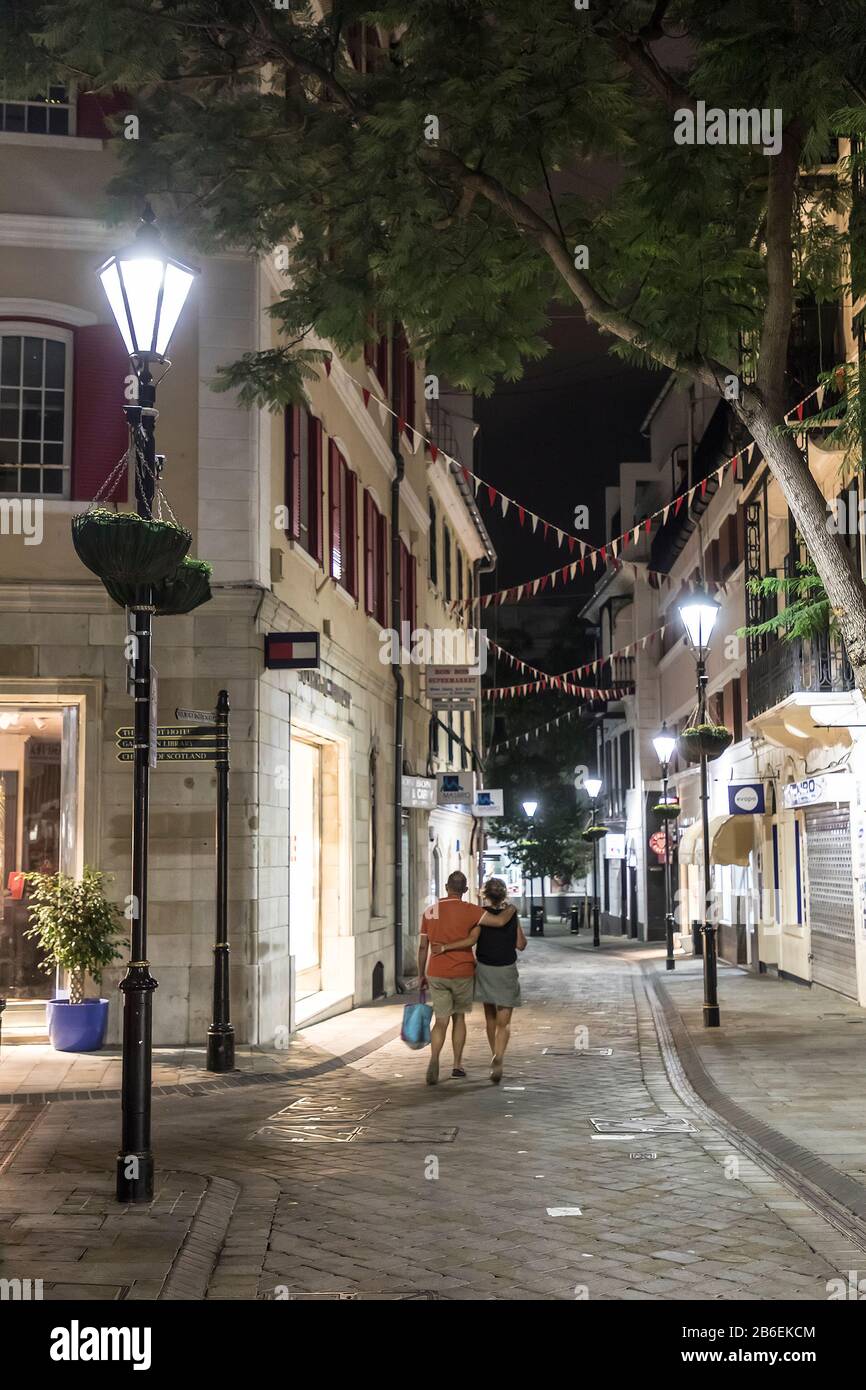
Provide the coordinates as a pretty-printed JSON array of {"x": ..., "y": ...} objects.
[{"x": 831, "y": 899}]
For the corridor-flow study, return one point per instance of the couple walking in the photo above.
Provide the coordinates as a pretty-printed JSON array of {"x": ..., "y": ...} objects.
[{"x": 450, "y": 929}]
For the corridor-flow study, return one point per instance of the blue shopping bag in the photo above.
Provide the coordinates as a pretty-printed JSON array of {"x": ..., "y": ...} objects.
[{"x": 415, "y": 1032}]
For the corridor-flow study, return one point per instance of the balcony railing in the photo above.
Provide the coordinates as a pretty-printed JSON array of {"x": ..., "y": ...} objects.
[{"x": 812, "y": 666}]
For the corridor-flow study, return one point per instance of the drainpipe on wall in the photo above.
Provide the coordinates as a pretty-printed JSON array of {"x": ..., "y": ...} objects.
[{"x": 399, "y": 700}]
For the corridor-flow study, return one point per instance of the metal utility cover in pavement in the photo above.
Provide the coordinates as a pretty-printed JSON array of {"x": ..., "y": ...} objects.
[
  {"x": 577, "y": 1052},
  {"x": 641, "y": 1124}
]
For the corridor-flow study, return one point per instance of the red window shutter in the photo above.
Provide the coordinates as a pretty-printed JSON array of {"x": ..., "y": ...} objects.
[
  {"x": 335, "y": 564},
  {"x": 91, "y": 109},
  {"x": 370, "y": 554},
  {"x": 316, "y": 485},
  {"x": 99, "y": 433},
  {"x": 293, "y": 471},
  {"x": 351, "y": 531},
  {"x": 383, "y": 571}
]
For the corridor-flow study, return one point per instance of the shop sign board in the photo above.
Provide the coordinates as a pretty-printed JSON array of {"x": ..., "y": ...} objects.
[
  {"x": 447, "y": 683},
  {"x": 746, "y": 799},
  {"x": 419, "y": 793},
  {"x": 834, "y": 786},
  {"x": 455, "y": 788},
  {"x": 488, "y": 802}
]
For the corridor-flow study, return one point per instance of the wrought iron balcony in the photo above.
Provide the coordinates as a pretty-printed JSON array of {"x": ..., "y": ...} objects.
[{"x": 810, "y": 665}]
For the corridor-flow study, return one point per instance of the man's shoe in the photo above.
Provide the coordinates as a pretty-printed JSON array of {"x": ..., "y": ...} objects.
[
  {"x": 496, "y": 1070},
  {"x": 433, "y": 1071}
]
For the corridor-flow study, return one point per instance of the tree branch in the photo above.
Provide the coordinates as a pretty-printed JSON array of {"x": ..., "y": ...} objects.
[{"x": 605, "y": 315}]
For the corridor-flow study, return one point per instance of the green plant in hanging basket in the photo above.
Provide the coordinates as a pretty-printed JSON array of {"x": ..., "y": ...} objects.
[
  {"x": 668, "y": 810},
  {"x": 188, "y": 588},
  {"x": 126, "y": 548},
  {"x": 595, "y": 832},
  {"x": 707, "y": 740}
]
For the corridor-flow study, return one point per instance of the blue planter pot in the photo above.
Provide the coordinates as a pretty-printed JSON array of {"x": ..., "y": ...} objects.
[{"x": 77, "y": 1027}]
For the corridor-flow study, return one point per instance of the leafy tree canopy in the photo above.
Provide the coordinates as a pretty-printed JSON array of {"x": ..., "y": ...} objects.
[{"x": 257, "y": 131}]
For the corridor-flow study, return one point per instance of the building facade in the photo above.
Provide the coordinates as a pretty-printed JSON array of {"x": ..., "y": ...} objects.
[{"x": 296, "y": 511}]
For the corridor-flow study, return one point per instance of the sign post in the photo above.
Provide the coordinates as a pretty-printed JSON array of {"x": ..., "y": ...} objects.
[
  {"x": 221, "y": 1034},
  {"x": 203, "y": 737}
]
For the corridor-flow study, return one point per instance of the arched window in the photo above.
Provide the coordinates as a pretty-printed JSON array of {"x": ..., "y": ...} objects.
[{"x": 35, "y": 409}]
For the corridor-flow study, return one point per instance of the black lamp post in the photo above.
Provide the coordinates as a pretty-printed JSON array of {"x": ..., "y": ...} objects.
[
  {"x": 146, "y": 289},
  {"x": 699, "y": 613},
  {"x": 593, "y": 787},
  {"x": 664, "y": 745}
]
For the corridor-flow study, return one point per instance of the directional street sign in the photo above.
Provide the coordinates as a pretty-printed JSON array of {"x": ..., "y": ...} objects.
[
  {"x": 174, "y": 731},
  {"x": 196, "y": 716},
  {"x": 162, "y": 743},
  {"x": 186, "y": 755}
]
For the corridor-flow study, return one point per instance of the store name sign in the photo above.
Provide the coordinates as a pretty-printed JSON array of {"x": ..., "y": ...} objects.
[
  {"x": 419, "y": 793},
  {"x": 488, "y": 802},
  {"x": 447, "y": 683},
  {"x": 834, "y": 787},
  {"x": 746, "y": 799},
  {"x": 455, "y": 788}
]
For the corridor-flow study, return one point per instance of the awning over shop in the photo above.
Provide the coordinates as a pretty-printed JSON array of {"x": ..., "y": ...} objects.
[{"x": 731, "y": 840}]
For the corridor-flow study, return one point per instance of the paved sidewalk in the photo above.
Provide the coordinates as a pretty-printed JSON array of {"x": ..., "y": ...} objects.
[
  {"x": 28, "y": 1069},
  {"x": 354, "y": 1179},
  {"x": 792, "y": 1057}
]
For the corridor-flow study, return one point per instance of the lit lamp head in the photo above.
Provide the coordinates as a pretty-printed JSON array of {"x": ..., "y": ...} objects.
[
  {"x": 593, "y": 786},
  {"x": 699, "y": 613},
  {"x": 146, "y": 289},
  {"x": 530, "y": 808},
  {"x": 664, "y": 743}
]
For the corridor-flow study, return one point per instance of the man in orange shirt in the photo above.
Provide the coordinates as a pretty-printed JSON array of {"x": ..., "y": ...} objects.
[{"x": 452, "y": 974}]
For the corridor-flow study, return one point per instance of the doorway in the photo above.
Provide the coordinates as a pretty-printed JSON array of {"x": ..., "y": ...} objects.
[{"x": 305, "y": 871}]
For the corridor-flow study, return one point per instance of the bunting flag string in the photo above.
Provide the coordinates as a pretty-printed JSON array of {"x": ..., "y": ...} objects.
[
  {"x": 584, "y": 692},
  {"x": 533, "y": 733},
  {"x": 639, "y": 644},
  {"x": 611, "y": 550}
]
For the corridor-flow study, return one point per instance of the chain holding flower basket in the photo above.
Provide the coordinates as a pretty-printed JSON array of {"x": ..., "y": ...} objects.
[
  {"x": 702, "y": 739},
  {"x": 130, "y": 552}
]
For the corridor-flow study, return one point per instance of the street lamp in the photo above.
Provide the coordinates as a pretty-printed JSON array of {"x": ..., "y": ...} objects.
[
  {"x": 529, "y": 810},
  {"x": 593, "y": 787},
  {"x": 664, "y": 744},
  {"x": 699, "y": 613},
  {"x": 146, "y": 290}
]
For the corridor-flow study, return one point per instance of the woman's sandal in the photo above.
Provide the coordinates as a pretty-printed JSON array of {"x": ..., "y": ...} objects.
[{"x": 458, "y": 1073}]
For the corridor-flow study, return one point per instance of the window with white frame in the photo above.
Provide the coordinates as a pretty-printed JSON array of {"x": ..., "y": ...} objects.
[
  {"x": 49, "y": 113},
  {"x": 35, "y": 409}
]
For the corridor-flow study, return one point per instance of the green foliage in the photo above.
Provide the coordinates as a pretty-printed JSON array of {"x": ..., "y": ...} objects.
[
  {"x": 76, "y": 925},
  {"x": 333, "y": 164},
  {"x": 549, "y": 846},
  {"x": 806, "y": 612}
]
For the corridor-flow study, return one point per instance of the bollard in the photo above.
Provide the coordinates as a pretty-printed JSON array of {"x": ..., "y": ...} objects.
[
  {"x": 537, "y": 926},
  {"x": 697, "y": 939},
  {"x": 575, "y": 919}
]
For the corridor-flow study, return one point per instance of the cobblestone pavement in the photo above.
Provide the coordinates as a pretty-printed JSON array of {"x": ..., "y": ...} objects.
[{"x": 360, "y": 1181}]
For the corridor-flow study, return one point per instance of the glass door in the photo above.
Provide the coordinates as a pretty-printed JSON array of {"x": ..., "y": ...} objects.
[{"x": 305, "y": 895}]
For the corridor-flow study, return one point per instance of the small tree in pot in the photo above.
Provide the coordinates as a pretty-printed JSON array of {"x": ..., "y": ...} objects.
[{"x": 78, "y": 929}]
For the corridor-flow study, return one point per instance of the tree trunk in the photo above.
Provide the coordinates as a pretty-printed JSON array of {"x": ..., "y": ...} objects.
[
  {"x": 827, "y": 550},
  {"x": 76, "y": 986}
]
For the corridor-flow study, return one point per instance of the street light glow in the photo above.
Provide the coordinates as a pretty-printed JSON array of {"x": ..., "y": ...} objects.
[
  {"x": 699, "y": 613},
  {"x": 146, "y": 289},
  {"x": 664, "y": 743},
  {"x": 530, "y": 807},
  {"x": 593, "y": 786}
]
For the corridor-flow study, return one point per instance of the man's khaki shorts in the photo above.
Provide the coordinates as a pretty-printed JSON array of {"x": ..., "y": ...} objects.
[{"x": 451, "y": 996}]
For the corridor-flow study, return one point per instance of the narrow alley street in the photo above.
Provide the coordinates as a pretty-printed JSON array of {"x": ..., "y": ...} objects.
[{"x": 336, "y": 1173}]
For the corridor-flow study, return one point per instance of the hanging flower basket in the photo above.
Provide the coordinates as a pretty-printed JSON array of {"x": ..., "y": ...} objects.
[
  {"x": 127, "y": 548},
  {"x": 595, "y": 832},
  {"x": 704, "y": 740},
  {"x": 668, "y": 810},
  {"x": 188, "y": 588}
]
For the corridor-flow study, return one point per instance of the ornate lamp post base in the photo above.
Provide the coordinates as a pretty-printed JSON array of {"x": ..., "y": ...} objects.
[{"x": 221, "y": 1048}]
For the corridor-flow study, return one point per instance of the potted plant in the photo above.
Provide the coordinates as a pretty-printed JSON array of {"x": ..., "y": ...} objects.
[
  {"x": 704, "y": 740},
  {"x": 77, "y": 928},
  {"x": 595, "y": 832},
  {"x": 128, "y": 548},
  {"x": 188, "y": 587}
]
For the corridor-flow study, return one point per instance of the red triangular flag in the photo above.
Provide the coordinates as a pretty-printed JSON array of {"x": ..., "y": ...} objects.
[
  {"x": 546, "y": 529},
  {"x": 521, "y": 513},
  {"x": 366, "y": 394},
  {"x": 491, "y": 493},
  {"x": 704, "y": 487},
  {"x": 434, "y": 452},
  {"x": 328, "y": 366},
  {"x": 571, "y": 544},
  {"x": 680, "y": 501}
]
